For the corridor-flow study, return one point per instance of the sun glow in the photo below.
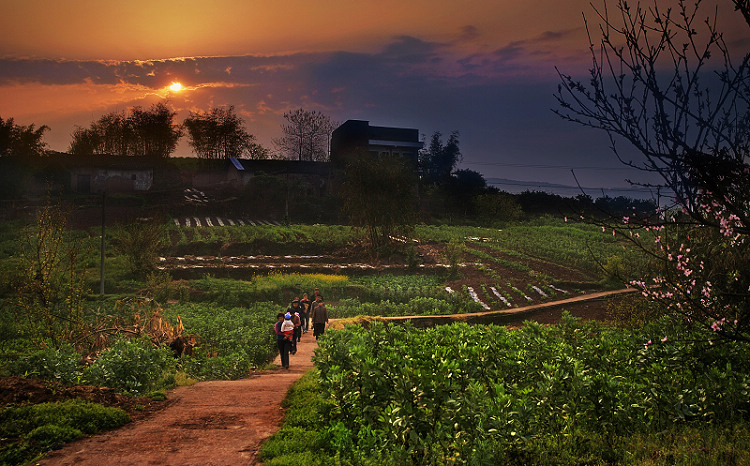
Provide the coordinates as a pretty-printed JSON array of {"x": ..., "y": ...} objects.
[{"x": 175, "y": 86}]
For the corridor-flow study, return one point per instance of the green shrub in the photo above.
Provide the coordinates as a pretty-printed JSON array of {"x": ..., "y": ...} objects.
[
  {"x": 559, "y": 394},
  {"x": 33, "y": 429},
  {"x": 299, "y": 440},
  {"x": 413, "y": 307},
  {"x": 204, "y": 366},
  {"x": 63, "y": 364},
  {"x": 133, "y": 367},
  {"x": 232, "y": 341},
  {"x": 51, "y": 436}
]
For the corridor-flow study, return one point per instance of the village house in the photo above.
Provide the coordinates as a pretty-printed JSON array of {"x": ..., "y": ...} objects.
[{"x": 357, "y": 136}]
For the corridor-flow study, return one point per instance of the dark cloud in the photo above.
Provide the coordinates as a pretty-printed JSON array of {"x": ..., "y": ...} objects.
[
  {"x": 469, "y": 33},
  {"x": 411, "y": 50},
  {"x": 551, "y": 36}
]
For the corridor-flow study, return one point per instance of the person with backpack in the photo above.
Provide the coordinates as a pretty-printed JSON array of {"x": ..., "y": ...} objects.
[{"x": 297, "y": 335}]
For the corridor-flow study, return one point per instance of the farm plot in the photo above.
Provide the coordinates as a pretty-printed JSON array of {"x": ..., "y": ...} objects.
[
  {"x": 498, "y": 269},
  {"x": 214, "y": 221}
]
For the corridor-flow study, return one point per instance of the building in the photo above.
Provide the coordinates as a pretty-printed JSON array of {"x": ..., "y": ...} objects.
[
  {"x": 111, "y": 174},
  {"x": 357, "y": 137},
  {"x": 311, "y": 178}
]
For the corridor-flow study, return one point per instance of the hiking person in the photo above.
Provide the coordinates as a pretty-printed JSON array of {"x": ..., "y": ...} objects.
[
  {"x": 319, "y": 317},
  {"x": 304, "y": 303},
  {"x": 294, "y": 306},
  {"x": 281, "y": 342}
]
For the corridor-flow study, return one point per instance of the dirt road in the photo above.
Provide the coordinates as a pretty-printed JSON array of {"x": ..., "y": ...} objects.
[{"x": 210, "y": 423}]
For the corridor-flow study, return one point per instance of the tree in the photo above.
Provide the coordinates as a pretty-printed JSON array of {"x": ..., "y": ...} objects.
[
  {"x": 306, "y": 135},
  {"x": 50, "y": 279},
  {"x": 463, "y": 187},
  {"x": 220, "y": 134},
  {"x": 21, "y": 141},
  {"x": 439, "y": 160},
  {"x": 379, "y": 194},
  {"x": 144, "y": 133},
  {"x": 154, "y": 133},
  {"x": 664, "y": 81}
]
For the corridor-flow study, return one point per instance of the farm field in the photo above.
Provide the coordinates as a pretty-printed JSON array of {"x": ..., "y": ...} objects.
[{"x": 216, "y": 289}]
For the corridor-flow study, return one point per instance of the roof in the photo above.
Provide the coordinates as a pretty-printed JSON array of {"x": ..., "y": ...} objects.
[{"x": 280, "y": 167}]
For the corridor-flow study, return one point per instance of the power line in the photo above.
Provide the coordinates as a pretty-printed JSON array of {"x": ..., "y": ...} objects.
[
  {"x": 545, "y": 166},
  {"x": 565, "y": 187}
]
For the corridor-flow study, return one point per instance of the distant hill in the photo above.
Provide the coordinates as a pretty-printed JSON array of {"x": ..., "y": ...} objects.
[{"x": 517, "y": 187}]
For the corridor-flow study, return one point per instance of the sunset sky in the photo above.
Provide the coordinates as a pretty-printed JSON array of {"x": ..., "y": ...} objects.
[{"x": 484, "y": 68}]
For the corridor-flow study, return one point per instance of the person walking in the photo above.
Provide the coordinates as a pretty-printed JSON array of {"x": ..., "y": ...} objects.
[
  {"x": 297, "y": 336},
  {"x": 319, "y": 317},
  {"x": 281, "y": 342},
  {"x": 304, "y": 303}
]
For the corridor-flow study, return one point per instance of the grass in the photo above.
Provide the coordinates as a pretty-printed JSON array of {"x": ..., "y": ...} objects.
[
  {"x": 300, "y": 441},
  {"x": 29, "y": 430}
]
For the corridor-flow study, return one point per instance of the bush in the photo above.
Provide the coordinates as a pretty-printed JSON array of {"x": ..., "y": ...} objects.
[
  {"x": 133, "y": 367},
  {"x": 561, "y": 394},
  {"x": 30, "y": 430},
  {"x": 226, "y": 367},
  {"x": 232, "y": 341},
  {"x": 63, "y": 364}
]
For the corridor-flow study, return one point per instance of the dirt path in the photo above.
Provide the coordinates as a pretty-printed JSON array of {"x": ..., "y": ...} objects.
[{"x": 209, "y": 423}]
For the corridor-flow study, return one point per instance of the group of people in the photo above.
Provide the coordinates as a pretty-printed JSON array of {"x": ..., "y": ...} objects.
[{"x": 291, "y": 325}]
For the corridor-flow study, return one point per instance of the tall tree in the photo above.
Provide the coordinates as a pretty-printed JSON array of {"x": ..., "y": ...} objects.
[
  {"x": 144, "y": 133},
  {"x": 220, "y": 134},
  {"x": 439, "y": 160},
  {"x": 663, "y": 80},
  {"x": 306, "y": 135},
  {"x": 379, "y": 194},
  {"x": 155, "y": 134},
  {"x": 21, "y": 141}
]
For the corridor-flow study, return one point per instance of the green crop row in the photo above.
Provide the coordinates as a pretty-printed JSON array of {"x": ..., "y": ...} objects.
[
  {"x": 289, "y": 239},
  {"x": 484, "y": 394},
  {"x": 448, "y": 304}
]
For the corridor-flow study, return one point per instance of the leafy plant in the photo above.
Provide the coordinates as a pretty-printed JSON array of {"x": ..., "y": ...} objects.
[
  {"x": 63, "y": 364},
  {"x": 140, "y": 243},
  {"x": 485, "y": 393},
  {"x": 32, "y": 429},
  {"x": 133, "y": 367}
]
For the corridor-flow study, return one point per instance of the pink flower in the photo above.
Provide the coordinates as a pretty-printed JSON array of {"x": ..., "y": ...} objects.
[{"x": 663, "y": 340}]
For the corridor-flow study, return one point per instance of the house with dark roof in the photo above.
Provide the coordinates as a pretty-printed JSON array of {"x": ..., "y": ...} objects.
[
  {"x": 311, "y": 177},
  {"x": 358, "y": 136},
  {"x": 96, "y": 174}
]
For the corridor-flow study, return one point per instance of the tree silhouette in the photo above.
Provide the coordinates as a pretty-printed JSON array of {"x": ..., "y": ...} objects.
[
  {"x": 145, "y": 133},
  {"x": 379, "y": 194},
  {"x": 21, "y": 141},
  {"x": 306, "y": 135},
  {"x": 220, "y": 134},
  {"x": 439, "y": 160}
]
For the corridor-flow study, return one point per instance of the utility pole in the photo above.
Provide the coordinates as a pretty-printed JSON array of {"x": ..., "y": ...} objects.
[{"x": 101, "y": 273}]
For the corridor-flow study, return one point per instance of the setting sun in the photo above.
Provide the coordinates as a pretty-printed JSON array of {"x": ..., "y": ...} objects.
[{"x": 175, "y": 87}]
